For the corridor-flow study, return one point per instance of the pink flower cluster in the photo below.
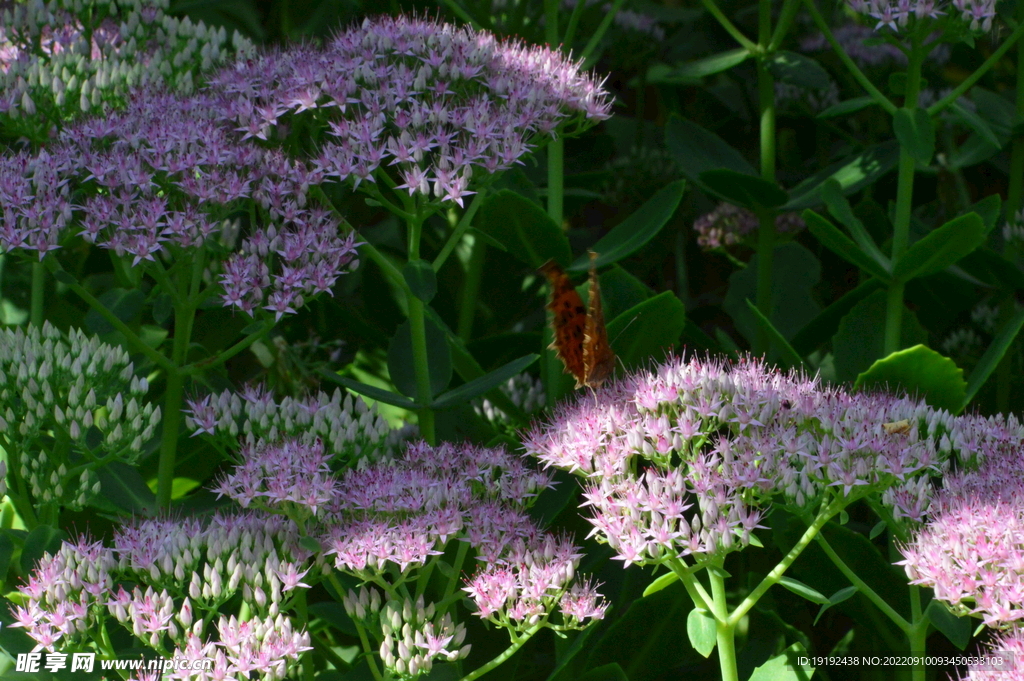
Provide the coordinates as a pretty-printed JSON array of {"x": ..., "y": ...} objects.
[
  {"x": 970, "y": 551},
  {"x": 683, "y": 460},
  {"x": 184, "y": 571},
  {"x": 728, "y": 225},
  {"x": 432, "y": 100}
]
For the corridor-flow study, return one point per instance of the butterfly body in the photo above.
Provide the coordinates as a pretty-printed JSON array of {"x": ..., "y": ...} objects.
[{"x": 581, "y": 339}]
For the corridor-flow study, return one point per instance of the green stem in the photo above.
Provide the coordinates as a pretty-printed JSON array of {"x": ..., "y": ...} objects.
[
  {"x": 460, "y": 229},
  {"x": 371, "y": 654},
  {"x": 602, "y": 28},
  {"x": 766, "y": 229},
  {"x": 556, "y": 179},
  {"x": 725, "y": 629},
  {"x": 918, "y": 635},
  {"x": 904, "y": 202},
  {"x": 471, "y": 287},
  {"x": 729, "y": 27},
  {"x": 570, "y": 31},
  {"x": 169, "y": 441},
  {"x": 969, "y": 82},
  {"x": 789, "y": 10},
  {"x": 850, "y": 65},
  {"x": 772, "y": 578},
  {"x": 221, "y": 357},
  {"x": 133, "y": 339},
  {"x": 862, "y": 586},
  {"x": 38, "y": 288},
  {"x": 551, "y": 23},
  {"x": 449, "y": 589},
  {"x": 418, "y": 330},
  {"x": 517, "y": 643}
]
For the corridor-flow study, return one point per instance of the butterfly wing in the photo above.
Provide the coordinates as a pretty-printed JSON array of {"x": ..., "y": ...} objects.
[
  {"x": 598, "y": 358},
  {"x": 569, "y": 321}
]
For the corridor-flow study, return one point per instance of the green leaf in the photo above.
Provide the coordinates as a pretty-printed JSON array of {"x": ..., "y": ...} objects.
[
  {"x": 701, "y": 629},
  {"x": 43, "y": 539},
  {"x": 335, "y": 615},
  {"x": 993, "y": 268},
  {"x": 647, "y": 330},
  {"x": 997, "y": 110},
  {"x": 820, "y": 330},
  {"x": 973, "y": 151},
  {"x": 523, "y": 229},
  {"x": 916, "y": 133},
  {"x": 956, "y": 629},
  {"x": 400, "y": 359},
  {"x": 796, "y": 69},
  {"x": 779, "y": 342},
  {"x": 940, "y": 248},
  {"x": 637, "y": 230},
  {"x": 124, "y": 304},
  {"x": 840, "y": 244},
  {"x": 479, "y": 386},
  {"x": 697, "y": 150},
  {"x": 860, "y": 337},
  {"x": 988, "y": 210},
  {"x": 785, "y": 667},
  {"x": 976, "y": 123},
  {"x": 852, "y": 174},
  {"x": 692, "y": 71},
  {"x": 804, "y": 591},
  {"x": 608, "y": 672},
  {"x": 374, "y": 393},
  {"x": 567, "y": 656},
  {"x": 123, "y": 486},
  {"x": 848, "y": 106},
  {"x": 990, "y": 360},
  {"x": 421, "y": 279},
  {"x": 922, "y": 372},
  {"x": 796, "y": 273},
  {"x": 660, "y": 583},
  {"x": 744, "y": 190},
  {"x": 835, "y": 599},
  {"x": 620, "y": 291},
  {"x": 841, "y": 210}
]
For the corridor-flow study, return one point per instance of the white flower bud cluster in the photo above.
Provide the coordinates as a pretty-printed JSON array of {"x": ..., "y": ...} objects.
[
  {"x": 71, "y": 56},
  {"x": 350, "y": 430},
  {"x": 525, "y": 391},
  {"x": 412, "y": 635},
  {"x": 77, "y": 392}
]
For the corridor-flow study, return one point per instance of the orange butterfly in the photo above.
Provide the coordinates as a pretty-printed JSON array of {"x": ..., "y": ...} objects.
[{"x": 581, "y": 339}]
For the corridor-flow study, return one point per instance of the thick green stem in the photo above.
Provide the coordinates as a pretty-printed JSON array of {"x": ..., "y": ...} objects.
[
  {"x": 471, "y": 288},
  {"x": 725, "y": 629},
  {"x": 766, "y": 230},
  {"x": 38, "y": 287},
  {"x": 418, "y": 330},
  {"x": 918, "y": 634},
  {"x": 904, "y": 201}
]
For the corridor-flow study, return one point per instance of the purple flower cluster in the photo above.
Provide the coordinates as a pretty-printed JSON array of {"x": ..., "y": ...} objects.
[
  {"x": 289, "y": 473},
  {"x": 728, "y": 225},
  {"x": 969, "y": 552},
  {"x": 863, "y": 45},
  {"x": 347, "y": 430},
  {"x": 164, "y": 175},
  {"x": 682, "y": 460},
  {"x": 897, "y": 14},
  {"x": 433, "y": 101}
]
